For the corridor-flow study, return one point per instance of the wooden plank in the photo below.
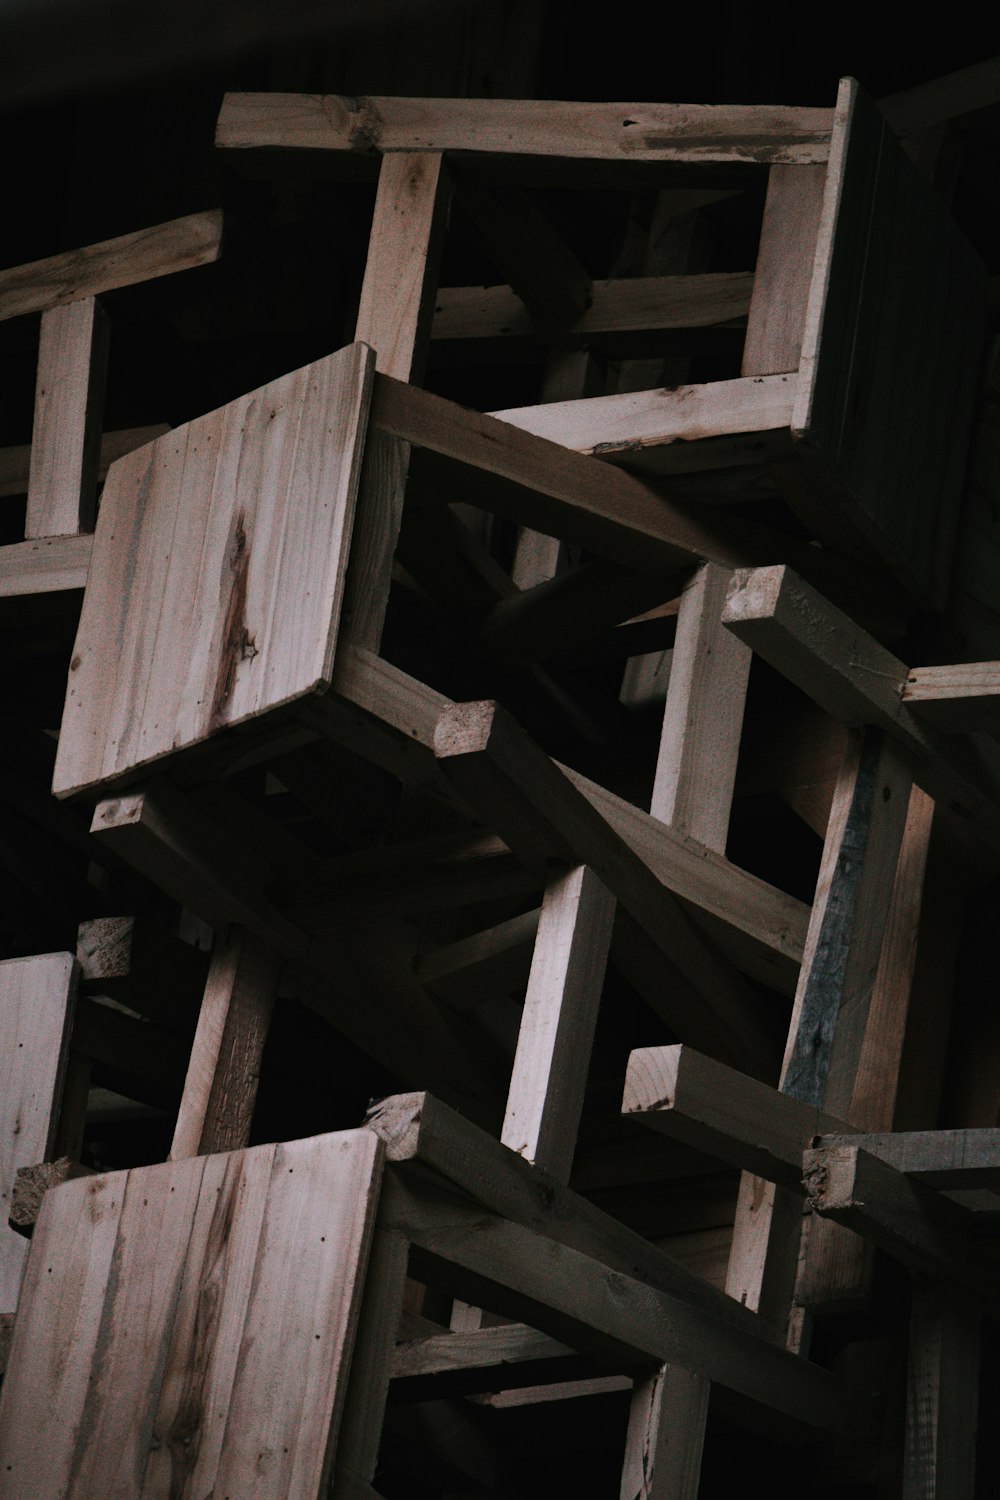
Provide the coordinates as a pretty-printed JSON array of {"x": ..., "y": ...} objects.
[
  {"x": 398, "y": 289},
  {"x": 955, "y": 699},
  {"x": 665, "y": 1436},
  {"x": 565, "y": 1293},
  {"x": 617, "y": 306},
  {"x": 479, "y": 968},
  {"x": 537, "y": 811},
  {"x": 220, "y": 1089},
  {"x": 916, "y": 1225},
  {"x": 676, "y": 431},
  {"x": 140, "y": 256},
  {"x": 37, "y": 999},
  {"x": 529, "y": 253},
  {"x": 15, "y": 463},
  {"x": 942, "y": 1394},
  {"x": 856, "y": 680},
  {"x": 371, "y": 1367},
  {"x": 69, "y": 404},
  {"x": 944, "y": 1159},
  {"x": 597, "y": 132},
  {"x": 942, "y": 99},
  {"x": 703, "y": 716},
  {"x": 45, "y": 565},
  {"x": 889, "y": 355},
  {"x": 784, "y": 270},
  {"x": 557, "y": 1024},
  {"x": 475, "y": 1349},
  {"x": 256, "y": 493},
  {"x": 716, "y": 1109}
]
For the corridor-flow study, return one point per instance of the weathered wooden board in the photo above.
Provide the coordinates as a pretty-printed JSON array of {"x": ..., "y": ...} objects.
[
  {"x": 36, "y": 1013},
  {"x": 694, "y": 133},
  {"x": 217, "y": 1364},
  {"x": 889, "y": 357},
  {"x": 238, "y": 526}
]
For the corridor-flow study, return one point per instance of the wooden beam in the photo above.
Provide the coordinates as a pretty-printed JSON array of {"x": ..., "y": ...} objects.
[
  {"x": 482, "y": 967},
  {"x": 856, "y": 680},
  {"x": 69, "y": 405},
  {"x": 15, "y": 463},
  {"x": 784, "y": 270},
  {"x": 652, "y": 303},
  {"x": 720, "y": 1111},
  {"x": 220, "y": 1090},
  {"x": 542, "y": 270},
  {"x": 945, "y": 1159},
  {"x": 942, "y": 1394},
  {"x": 557, "y": 1024},
  {"x": 45, "y": 565},
  {"x": 665, "y": 1436},
  {"x": 140, "y": 256},
  {"x": 958, "y": 699},
  {"x": 597, "y": 132},
  {"x": 538, "y": 812}
]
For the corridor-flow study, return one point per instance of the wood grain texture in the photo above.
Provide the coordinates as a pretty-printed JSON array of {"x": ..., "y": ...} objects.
[
  {"x": 784, "y": 271},
  {"x": 176, "y": 1372},
  {"x": 889, "y": 357},
  {"x": 15, "y": 462},
  {"x": 238, "y": 524},
  {"x": 37, "y": 998},
  {"x": 955, "y": 699},
  {"x": 665, "y": 1436},
  {"x": 557, "y": 1024},
  {"x": 45, "y": 565},
  {"x": 146, "y": 253},
  {"x": 601, "y": 132},
  {"x": 69, "y": 404}
]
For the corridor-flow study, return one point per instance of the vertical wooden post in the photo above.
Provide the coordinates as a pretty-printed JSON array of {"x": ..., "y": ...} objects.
[
  {"x": 69, "y": 405},
  {"x": 220, "y": 1089},
  {"x": 557, "y": 1025},
  {"x": 788, "y": 237},
  {"x": 942, "y": 1395},
  {"x": 665, "y": 1437}
]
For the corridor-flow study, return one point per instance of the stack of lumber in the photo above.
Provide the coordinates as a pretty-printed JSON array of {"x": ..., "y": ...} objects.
[{"x": 525, "y": 800}]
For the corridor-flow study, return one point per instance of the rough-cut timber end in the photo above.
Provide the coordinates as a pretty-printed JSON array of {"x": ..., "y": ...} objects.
[
  {"x": 396, "y": 1121},
  {"x": 828, "y": 1176},
  {"x": 465, "y": 728},
  {"x": 32, "y": 1183},
  {"x": 118, "y": 812},
  {"x": 754, "y": 594},
  {"x": 651, "y": 1079}
]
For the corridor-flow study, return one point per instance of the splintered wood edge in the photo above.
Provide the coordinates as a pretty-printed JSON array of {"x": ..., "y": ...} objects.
[{"x": 829, "y": 1176}]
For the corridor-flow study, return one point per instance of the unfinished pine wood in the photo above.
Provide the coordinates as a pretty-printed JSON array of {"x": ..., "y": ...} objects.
[
  {"x": 942, "y": 1394},
  {"x": 47, "y": 565},
  {"x": 702, "y": 717},
  {"x": 220, "y": 1089},
  {"x": 945, "y": 1159},
  {"x": 629, "y": 305},
  {"x": 238, "y": 524},
  {"x": 955, "y": 699},
  {"x": 534, "y": 127},
  {"x": 887, "y": 377},
  {"x": 141, "y": 256},
  {"x": 784, "y": 271},
  {"x": 15, "y": 463},
  {"x": 678, "y": 430},
  {"x": 557, "y": 1024},
  {"x": 498, "y": 768},
  {"x": 665, "y": 1437},
  {"x": 32, "y": 1183},
  {"x": 66, "y": 436},
  {"x": 37, "y": 997},
  {"x": 180, "y": 1371}
]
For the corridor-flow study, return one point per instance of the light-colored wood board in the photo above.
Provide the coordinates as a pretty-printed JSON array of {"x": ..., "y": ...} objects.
[
  {"x": 618, "y": 306},
  {"x": 66, "y": 433},
  {"x": 220, "y": 1089},
  {"x": 540, "y": 814},
  {"x": 665, "y": 1436},
  {"x": 557, "y": 1023},
  {"x": 37, "y": 999},
  {"x": 955, "y": 699},
  {"x": 239, "y": 524},
  {"x": 602, "y": 132},
  {"x": 140, "y": 256},
  {"x": 889, "y": 358},
  {"x": 697, "y": 420},
  {"x": 397, "y": 292},
  {"x": 475, "y": 1349},
  {"x": 45, "y": 566},
  {"x": 15, "y": 463},
  {"x": 703, "y": 716},
  {"x": 784, "y": 270},
  {"x": 295, "y": 1353},
  {"x": 722, "y": 1112},
  {"x": 945, "y": 1159},
  {"x": 58, "y": 1335},
  {"x": 942, "y": 1394}
]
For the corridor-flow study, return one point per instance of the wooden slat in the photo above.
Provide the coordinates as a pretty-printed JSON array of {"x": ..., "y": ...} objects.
[
  {"x": 703, "y": 717},
  {"x": 784, "y": 270},
  {"x": 620, "y": 306},
  {"x": 942, "y": 1394},
  {"x": 529, "y": 253},
  {"x": 15, "y": 463},
  {"x": 946, "y": 1159},
  {"x": 262, "y": 494},
  {"x": 220, "y": 1089},
  {"x": 665, "y": 1436},
  {"x": 37, "y": 998},
  {"x": 558, "y": 1020},
  {"x": 497, "y": 767},
  {"x": 371, "y": 1368},
  {"x": 476, "y": 969},
  {"x": 45, "y": 566},
  {"x": 955, "y": 699},
  {"x": 69, "y": 402},
  {"x": 599, "y": 132},
  {"x": 178, "y": 1370},
  {"x": 141, "y": 256}
]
